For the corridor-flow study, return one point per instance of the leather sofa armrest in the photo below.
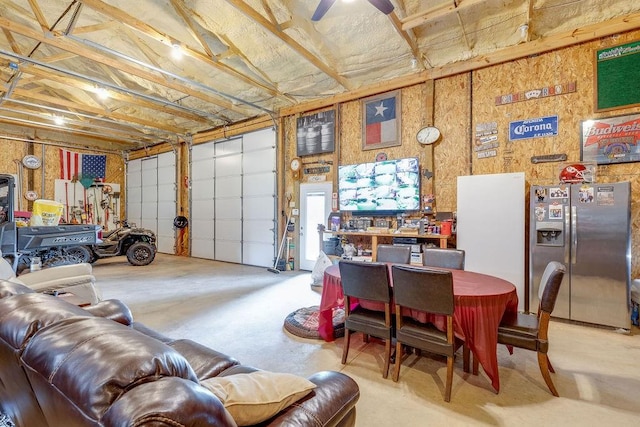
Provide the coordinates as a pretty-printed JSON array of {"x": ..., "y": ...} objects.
[
  {"x": 112, "y": 309},
  {"x": 331, "y": 403},
  {"x": 168, "y": 401},
  {"x": 62, "y": 272}
]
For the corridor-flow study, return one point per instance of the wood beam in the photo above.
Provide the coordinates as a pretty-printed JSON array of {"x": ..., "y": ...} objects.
[
  {"x": 436, "y": 12},
  {"x": 297, "y": 47},
  {"x": 74, "y": 47}
]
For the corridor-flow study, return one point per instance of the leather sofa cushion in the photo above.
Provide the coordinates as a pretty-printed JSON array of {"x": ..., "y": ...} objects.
[
  {"x": 85, "y": 360},
  {"x": 21, "y": 316},
  {"x": 205, "y": 362}
]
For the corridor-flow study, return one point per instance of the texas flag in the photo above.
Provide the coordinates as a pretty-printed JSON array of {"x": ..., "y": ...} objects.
[
  {"x": 76, "y": 165},
  {"x": 380, "y": 121}
]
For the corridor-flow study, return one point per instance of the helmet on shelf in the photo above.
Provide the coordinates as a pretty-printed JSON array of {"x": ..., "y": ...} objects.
[{"x": 573, "y": 173}]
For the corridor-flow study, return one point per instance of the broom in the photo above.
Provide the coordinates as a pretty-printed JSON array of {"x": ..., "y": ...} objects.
[{"x": 275, "y": 264}]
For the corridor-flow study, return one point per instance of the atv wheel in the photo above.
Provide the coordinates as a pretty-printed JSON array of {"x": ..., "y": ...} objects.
[
  {"x": 141, "y": 253},
  {"x": 80, "y": 254}
]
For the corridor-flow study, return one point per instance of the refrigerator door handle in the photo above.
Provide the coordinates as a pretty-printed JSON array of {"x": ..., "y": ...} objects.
[
  {"x": 574, "y": 234},
  {"x": 566, "y": 235}
]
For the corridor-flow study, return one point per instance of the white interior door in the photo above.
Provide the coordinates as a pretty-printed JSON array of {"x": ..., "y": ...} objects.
[{"x": 315, "y": 206}]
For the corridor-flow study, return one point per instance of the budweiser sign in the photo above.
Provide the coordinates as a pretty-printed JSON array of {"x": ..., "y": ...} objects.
[{"x": 611, "y": 140}]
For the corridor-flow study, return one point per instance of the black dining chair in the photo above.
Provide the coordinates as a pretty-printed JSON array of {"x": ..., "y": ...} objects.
[
  {"x": 399, "y": 254},
  {"x": 443, "y": 258},
  {"x": 530, "y": 331},
  {"x": 368, "y": 281},
  {"x": 430, "y": 291}
]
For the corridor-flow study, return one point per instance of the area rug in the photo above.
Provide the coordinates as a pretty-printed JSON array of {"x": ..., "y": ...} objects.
[{"x": 304, "y": 322}]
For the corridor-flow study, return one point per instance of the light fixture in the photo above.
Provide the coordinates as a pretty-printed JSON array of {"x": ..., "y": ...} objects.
[
  {"x": 102, "y": 93},
  {"x": 59, "y": 120},
  {"x": 176, "y": 51},
  {"x": 524, "y": 31},
  {"x": 414, "y": 63}
]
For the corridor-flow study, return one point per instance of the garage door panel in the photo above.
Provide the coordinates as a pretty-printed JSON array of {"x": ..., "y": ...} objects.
[
  {"x": 203, "y": 151},
  {"x": 201, "y": 248},
  {"x": 167, "y": 176},
  {"x": 228, "y": 209},
  {"x": 201, "y": 229},
  {"x": 228, "y": 229},
  {"x": 202, "y": 170},
  {"x": 228, "y": 186},
  {"x": 203, "y": 209},
  {"x": 259, "y": 161},
  {"x": 228, "y": 251},
  {"x": 229, "y": 165},
  {"x": 259, "y": 184},
  {"x": 134, "y": 179},
  {"x": 149, "y": 194},
  {"x": 264, "y": 138},
  {"x": 166, "y": 210},
  {"x": 258, "y": 207},
  {"x": 203, "y": 190},
  {"x": 258, "y": 254},
  {"x": 231, "y": 146},
  {"x": 134, "y": 194},
  {"x": 258, "y": 231}
]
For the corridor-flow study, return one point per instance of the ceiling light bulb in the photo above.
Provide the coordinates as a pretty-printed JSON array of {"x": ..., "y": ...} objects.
[
  {"x": 102, "y": 93},
  {"x": 414, "y": 63},
  {"x": 524, "y": 28},
  {"x": 58, "y": 120},
  {"x": 176, "y": 51}
]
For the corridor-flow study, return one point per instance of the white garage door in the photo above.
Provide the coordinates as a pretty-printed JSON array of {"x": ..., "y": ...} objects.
[
  {"x": 151, "y": 197},
  {"x": 233, "y": 199}
]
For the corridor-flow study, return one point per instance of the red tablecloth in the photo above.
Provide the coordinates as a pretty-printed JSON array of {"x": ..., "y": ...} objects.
[{"x": 480, "y": 302}]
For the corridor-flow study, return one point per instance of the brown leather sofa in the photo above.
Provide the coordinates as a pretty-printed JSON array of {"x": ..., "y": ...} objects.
[{"x": 94, "y": 366}]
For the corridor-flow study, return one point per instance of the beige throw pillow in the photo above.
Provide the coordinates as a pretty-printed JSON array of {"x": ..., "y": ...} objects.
[{"x": 257, "y": 396}]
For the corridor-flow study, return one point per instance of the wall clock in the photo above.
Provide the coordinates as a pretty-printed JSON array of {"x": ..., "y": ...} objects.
[
  {"x": 381, "y": 157},
  {"x": 428, "y": 135},
  {"x": 31, "y": 162},
  {"x": 295, "y": 166}
]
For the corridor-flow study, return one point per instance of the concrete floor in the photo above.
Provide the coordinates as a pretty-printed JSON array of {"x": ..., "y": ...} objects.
[{"x": 239, "y": 310}]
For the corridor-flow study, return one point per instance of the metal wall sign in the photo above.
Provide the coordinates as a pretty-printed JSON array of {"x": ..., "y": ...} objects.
[
  {"x": 319, "y": 169},
  {"x": 533, "y": 128}
]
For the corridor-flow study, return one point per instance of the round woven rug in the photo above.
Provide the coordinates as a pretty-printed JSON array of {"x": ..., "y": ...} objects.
[{"x": 304, "y": 322}]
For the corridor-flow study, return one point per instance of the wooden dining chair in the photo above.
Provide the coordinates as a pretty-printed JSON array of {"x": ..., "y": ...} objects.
[
  {"x": 443, "y": 258},
  {"x": 430, "y": 291},
  {"x": 530, "y": 331},
  {"x": 394, "y": 253},
  {"x": 368, "y": 281}
]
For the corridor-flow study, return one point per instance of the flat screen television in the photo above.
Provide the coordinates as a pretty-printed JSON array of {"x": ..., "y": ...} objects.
[{"x": 380, "y": 188}]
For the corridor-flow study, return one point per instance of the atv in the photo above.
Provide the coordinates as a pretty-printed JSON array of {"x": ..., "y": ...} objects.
[{"x": 138, "y": 244}]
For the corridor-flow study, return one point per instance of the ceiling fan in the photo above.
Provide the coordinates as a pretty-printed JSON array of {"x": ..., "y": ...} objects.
[{"x": 383, "y": 6}]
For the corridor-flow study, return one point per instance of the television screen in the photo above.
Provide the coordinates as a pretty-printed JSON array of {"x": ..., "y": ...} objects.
[{"x": 380, "y": 187}]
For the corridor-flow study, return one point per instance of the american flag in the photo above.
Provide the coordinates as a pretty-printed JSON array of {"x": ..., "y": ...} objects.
[
  {"x": 380, "y": 121},
  {"x": 77, "y": 165}
]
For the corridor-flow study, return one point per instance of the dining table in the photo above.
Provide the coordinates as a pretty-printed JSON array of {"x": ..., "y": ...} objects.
[{"x": 481, "y": 301}]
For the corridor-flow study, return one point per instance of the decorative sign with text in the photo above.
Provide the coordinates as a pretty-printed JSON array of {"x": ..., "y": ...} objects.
[
  {"x": 543, "y": 92},
  {"x": 533, "y": 128}
]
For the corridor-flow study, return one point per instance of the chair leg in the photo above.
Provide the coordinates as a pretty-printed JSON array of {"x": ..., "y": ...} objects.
[
  {"x": 345, "y": 345},
  {"x": 387, "y": 357},
  {"x": 543, "y": 361},
  {"x": 550, "y": 366},
  {"x": 465, "y": 357},
  {"x": 447, "y": 389},
  {"x": 396, "y": 371}
]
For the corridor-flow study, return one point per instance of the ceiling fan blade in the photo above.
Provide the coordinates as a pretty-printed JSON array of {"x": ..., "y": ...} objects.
[
  {"x": 384, "y": 6},
  {"x": 322, "y": 8}
]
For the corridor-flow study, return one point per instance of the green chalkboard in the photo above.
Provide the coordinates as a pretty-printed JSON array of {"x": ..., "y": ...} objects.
[{"x": 618, "y": 76}]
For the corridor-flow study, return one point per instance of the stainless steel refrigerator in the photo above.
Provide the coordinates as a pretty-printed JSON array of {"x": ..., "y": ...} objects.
[{"x": 587, "y": 227}]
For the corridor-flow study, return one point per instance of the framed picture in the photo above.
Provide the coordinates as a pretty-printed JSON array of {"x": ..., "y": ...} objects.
[
  {"x": 316, "y": 133},
  {"x": 611, "y": 140},
  {"x": 381, "y": 121}
]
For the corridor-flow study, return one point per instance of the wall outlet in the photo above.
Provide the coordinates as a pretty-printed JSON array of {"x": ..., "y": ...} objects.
[{"x": 295, "y": 212}]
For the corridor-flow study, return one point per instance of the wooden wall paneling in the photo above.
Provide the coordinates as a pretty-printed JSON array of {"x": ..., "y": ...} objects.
[{"x": 451, "y": 153}]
